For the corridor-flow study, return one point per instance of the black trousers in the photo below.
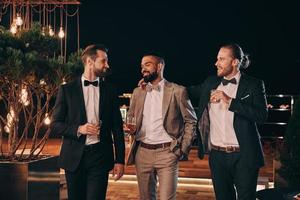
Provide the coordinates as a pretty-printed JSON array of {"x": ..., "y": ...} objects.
[
  {"x": 89, "y": 181},
  {"x": 232, "y": 179}
]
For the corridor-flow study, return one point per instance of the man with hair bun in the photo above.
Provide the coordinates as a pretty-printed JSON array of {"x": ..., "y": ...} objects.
[{"x": 230, "y": 105}]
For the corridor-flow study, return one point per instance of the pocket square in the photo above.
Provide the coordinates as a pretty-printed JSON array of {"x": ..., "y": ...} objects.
[{"x": 245, "y": 97}]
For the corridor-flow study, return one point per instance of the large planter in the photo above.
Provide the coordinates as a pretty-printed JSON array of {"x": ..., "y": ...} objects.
[{"x": 33, "y": 180}]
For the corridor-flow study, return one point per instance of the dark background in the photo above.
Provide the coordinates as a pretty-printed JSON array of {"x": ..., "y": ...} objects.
[{"x": 189, "y": 35}]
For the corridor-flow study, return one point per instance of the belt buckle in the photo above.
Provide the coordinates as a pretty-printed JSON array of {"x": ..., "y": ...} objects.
[
  {"x": 229, "y": 149},
  {"x": 164, "y": 145}
]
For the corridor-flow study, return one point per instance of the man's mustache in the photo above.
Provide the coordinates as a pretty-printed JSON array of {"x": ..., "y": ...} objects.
[
  {"x": 105, "y": 73},
  {"x": 145, "y": 72}
]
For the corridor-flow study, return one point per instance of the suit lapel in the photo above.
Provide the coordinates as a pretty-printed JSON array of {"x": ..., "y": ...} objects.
[
  {"x": 81, "y": 101},
  {"x": 102, "y": 94},
  {"x": 168, "y": 90},
  {"x": 140, "y": 101},
  {"x": 242, "y": 87}
]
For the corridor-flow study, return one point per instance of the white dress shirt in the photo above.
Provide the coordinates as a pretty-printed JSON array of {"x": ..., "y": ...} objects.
[
  {"x": 152, "y": 130},
  {"x": 221, "y": 119},
  {"x": 91, "y": 96}
]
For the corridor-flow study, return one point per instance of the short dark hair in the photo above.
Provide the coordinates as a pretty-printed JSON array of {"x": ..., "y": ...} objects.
[
  {"x": 238, "y": 53},
  {"x": 158, "y": 56},
  {"x": 91, "y": 51}
]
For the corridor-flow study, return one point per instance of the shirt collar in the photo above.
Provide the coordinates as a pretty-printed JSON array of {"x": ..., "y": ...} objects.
[
  {"x": 83, "y": 78},
  {"x": 161, "y": 83},
  {"x": 237, "y": 77}
]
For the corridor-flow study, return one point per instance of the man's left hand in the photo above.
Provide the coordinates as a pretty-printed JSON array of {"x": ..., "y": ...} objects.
[
  {"x": 219, "y": 95},
  {"x": 118, "y": 171}
]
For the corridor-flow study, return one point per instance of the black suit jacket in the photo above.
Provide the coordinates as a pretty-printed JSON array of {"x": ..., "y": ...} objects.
[
  {"x": 249, "y": 107},
  {"x": 69, "y": 112}
]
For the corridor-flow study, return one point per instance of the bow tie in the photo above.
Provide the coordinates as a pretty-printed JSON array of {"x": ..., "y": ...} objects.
[
  {"x": 149, "y": 88},
  {"x": 87, "y": 83},
  {"x": 225, "y": 81}
]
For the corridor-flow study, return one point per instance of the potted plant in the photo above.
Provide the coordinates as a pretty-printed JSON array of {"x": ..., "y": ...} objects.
[{"x": 30, "y": 75}]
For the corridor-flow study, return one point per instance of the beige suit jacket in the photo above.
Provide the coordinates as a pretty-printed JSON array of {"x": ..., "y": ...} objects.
[{"x": 178, "y": 114}]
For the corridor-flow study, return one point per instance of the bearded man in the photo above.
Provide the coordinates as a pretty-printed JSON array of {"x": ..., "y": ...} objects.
[
  {"x": 87, "y": 116},
  {"x": 165, "y": 128}
]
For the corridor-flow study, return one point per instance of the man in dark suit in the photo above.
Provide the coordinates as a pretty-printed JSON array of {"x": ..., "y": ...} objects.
[
  {"x": 88, "y": 117},
  {"x": 230, "y": 105}
]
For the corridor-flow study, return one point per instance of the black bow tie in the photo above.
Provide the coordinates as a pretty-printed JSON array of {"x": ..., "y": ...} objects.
[
  {"x": 87, "y": 83},
  {"x": 226, "y": 81}
]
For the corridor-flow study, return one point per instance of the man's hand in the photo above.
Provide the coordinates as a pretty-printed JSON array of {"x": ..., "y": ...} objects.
[
  {"x": 118, "y": 171},
  {"x": 129, "y": 128},
  {"x": 89, "y": 129},
  {"x": 142, "y": 84},
  {"x": 217, "y": 95}
]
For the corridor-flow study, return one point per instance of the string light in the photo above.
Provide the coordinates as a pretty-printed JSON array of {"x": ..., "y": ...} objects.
[
  {"x": 43, "y": 82},
  {"x": 61, "y": 33},
  {"x": 47, "y": 119},
  {"x": 13, "y": 28},
  {"x": 24, "y": 96},
  {"x": 10, "y": 119},
  {"x": 43, "y": 31},
  {"x": 19, "y": 20},
  {"x": 6, "y": 129},
  {"x": 64, "y": 81},
  {"x": 23, "y": 14},
  {"x": 51, "y": 32}
]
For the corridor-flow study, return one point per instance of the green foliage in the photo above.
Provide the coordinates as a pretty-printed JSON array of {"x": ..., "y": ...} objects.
[
  {"x": 75, "y": 64},
  {"x": 35, "y": 40},
  {"x": 31, "y": 52},
  {"x": 290, "y": 157}
]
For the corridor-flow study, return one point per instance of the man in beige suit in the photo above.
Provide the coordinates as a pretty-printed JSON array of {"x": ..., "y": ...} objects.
[{"x": 165, "y": 128}]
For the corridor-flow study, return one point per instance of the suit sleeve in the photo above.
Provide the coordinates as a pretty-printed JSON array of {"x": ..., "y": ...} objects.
[
  {"x": 190, "y": 121},
  {"x": 117, "y": 131},
  {"x": 255, "y": 110},
  {"x": 59, "y": 125}
]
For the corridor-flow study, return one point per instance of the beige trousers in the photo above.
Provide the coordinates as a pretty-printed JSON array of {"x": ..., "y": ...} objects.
[{"x": 152, "y": 164}]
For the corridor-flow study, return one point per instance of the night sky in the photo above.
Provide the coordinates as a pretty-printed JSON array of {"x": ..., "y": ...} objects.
[{"x": 189, "y": 35}]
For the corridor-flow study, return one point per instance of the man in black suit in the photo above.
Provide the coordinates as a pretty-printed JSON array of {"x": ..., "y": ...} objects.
[
  {"x": 230, "y": 105},
  {"x": 88, "y": 117}
]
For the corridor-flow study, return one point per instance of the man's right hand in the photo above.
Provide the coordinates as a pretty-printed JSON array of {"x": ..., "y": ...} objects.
[
  {"x": 129, "y": 128},
  {"x": 142, "y": 84},
  {"x": 89, "y": 129}
]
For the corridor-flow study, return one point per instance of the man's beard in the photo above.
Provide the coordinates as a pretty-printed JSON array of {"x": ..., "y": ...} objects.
[
  {"x": 151, "y": 77},
  {"x": 102, "y": 72}
]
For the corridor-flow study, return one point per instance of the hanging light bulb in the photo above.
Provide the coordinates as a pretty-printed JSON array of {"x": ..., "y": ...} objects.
[
  {"x": 24, "y": 97},
  {"x": 19, "y": 20},
  {"x": 6, "y": 129},
  {"x": 61, "y": 33},
  {"x": 13, "y": 28},
  {"x": 10, "y": 120},
  {"x": 43, "y": 82},
  {"x": 64, "y": 81},
  {"x": 43, "y": 31},
  {"x": 47, "y": 119},
  {"x": 51, "y": 32}
]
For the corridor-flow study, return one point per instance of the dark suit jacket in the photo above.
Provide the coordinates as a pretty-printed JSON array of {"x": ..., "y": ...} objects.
[
  {"x": 249, "y": 107},
  {"x": 69, "y": 112}
]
